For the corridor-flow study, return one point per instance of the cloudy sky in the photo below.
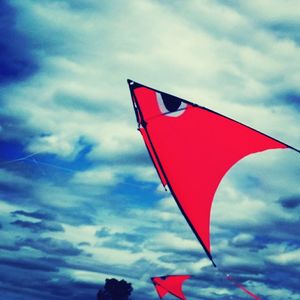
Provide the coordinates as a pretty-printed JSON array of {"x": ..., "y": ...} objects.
[{"x": 79, "y": 198}]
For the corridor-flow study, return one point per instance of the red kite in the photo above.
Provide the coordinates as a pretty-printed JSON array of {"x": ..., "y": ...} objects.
[
  {"x": 171, "y": 284},
  {"x": 192, "y": 148}
]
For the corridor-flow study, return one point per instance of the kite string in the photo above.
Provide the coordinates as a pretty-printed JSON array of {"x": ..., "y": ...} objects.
[
  {"x": 22, "y": 158},
  {"x": 39, "y": 167},
  {"x": 40, "y": 163}
]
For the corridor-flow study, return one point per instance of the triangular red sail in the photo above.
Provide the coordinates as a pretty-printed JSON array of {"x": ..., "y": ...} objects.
[
  {"x": 171, "y": 284},
  {"x": 192, "y": 148}
]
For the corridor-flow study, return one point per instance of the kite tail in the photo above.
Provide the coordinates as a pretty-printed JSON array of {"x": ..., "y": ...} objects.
[
  {"x": 237, "y": 284},
  {"x": 228, "y": 277}
]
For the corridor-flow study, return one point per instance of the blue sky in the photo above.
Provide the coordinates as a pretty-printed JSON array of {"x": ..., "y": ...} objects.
[{"x": 79, "y": 198}]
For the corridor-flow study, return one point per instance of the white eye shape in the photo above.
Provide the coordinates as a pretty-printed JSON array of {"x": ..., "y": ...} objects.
[{"x": 170, "y": 106}]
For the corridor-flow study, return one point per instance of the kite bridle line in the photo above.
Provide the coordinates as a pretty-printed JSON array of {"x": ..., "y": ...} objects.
[
  {"x": 142, "y": 124},
  {"x": 31, "y": 159}
]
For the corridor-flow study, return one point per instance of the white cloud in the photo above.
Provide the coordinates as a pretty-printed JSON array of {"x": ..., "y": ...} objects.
[
  {"x": 172, "y": 241},
  {"x": 10, "y": 177},
  {"x": 242, "y": 239},
  {"x": 135, "y": 46},
  {"x": 287, "y": 258},
  {"x": 92, "y": 78},
  {"x": 104, "y": 176},
  {"x": 272, "y": 11}
]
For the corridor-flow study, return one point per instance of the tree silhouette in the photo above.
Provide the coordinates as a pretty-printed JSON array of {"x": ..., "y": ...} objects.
[{"x": 115, "y": 290}]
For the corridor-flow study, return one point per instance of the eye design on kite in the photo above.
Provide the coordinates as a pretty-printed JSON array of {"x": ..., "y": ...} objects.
[{"x": 170, "y": 105}]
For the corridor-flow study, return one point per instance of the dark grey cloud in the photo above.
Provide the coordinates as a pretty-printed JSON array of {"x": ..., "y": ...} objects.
[
  {"x": 86, "y": 5},
  {"x": 13, "y": 128},
  {"x": 9, "y": 247},
  {"x": 287, "y": 229},
  {"x": 131, "y": 241},
  {"x": 45, "y": 278},
  {"x": 283, "y": 28},
  {"x": 255, "y": 243},
  {"x": 44, "y": 283},
  {"x": 281, "y": 276},
  {"x": 68, "y": 288},
  {"x": 133, "y": 238},
  {"x": 38, "y": 214},
  {"x": 39, "y": 226},
  {"x": 289, "y": 232},
  {"x": 77, "y": 103},
  {"x": 51, "y": 262},
  {"x": 290, "y": 202},
  {"x": 211, "y": 277},
  {"x": 84, "y": 216},
  {"x": 285, "y": 31},
  {"x": 50, "y": 246},
  {"x": 179, "y": 251},
  {"x": 292, "y": 99},
  {"x": 173, "y": 258},
  {"x": 262, "y": 271},
  {"x": 84, "y": 244},
  {"x": 146, "y": 266},
  {"x": 29, "y": 264},
  {"x": 16, "y": 60},
  {"x": 14, "y": 193},
  {"x": 29, "y": 185},
  {"x": 103, "y": 232}
]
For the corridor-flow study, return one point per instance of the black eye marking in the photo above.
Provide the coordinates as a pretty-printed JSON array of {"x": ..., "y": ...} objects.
[
  {"x": 170, "y": 106},
  {"x": 171, "y": 103}
]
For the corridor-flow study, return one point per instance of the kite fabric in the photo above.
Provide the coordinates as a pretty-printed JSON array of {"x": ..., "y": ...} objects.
[
  {"x": 192, "y": 148},
  {"x": 171, "y": 284}
]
